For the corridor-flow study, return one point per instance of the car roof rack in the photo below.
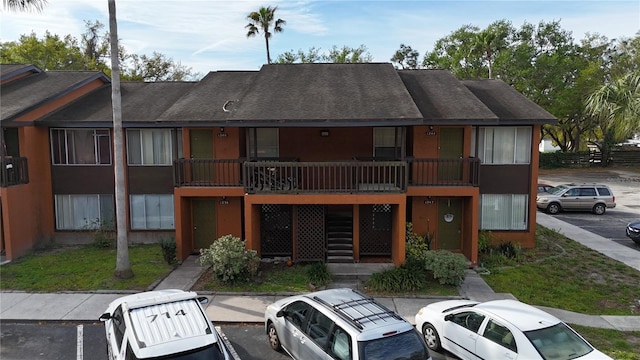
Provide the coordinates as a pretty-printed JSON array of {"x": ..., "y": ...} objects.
[{"x": 359, "y": 311}]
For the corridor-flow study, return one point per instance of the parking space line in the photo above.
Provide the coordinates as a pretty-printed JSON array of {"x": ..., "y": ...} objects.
[{"x": 80, "y": 342}]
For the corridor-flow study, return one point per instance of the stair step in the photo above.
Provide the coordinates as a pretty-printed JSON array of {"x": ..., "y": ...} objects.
[
  {"x": 340, "y": 258},
  {"x": 341, "y": 247}
]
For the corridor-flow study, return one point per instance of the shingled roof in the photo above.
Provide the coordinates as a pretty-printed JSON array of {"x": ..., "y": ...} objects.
[
  {"x": 289, "y": 95},
  {"x": 30, "y": 92},
  {"x": 142, "y": 104}
]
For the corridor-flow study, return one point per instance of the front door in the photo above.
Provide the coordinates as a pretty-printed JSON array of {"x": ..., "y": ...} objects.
[
  {"x": 204, "y": 223},
  {"x": 201, "y": 148},
  {"x": 451, "y": 147},
  {"x": 450, "y": 224}
]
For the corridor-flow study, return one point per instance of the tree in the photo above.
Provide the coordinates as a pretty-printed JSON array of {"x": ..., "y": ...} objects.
[
  {"x": 49, "y": 53},
  {"x": 52, "y": 52},
  {"x": 25, "y": 5},
  {"x": 123, "y": 266},
  {"x": 262, "y": 20},
  {"x": 335, "y": 55},
  {"x": 490, "y": 41},
  {"x": 406, "y": 57},
  {"x": 454, "y": 53},
  {"x": 616, "y": 106},
  {"x": 156, "y": 68}
]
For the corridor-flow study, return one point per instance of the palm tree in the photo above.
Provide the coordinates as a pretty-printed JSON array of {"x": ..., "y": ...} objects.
[
  {"x": 123, "y": 267},
  {"x": 24, "y": 5},
  {"x": 616, "y": 108},
  {"x": 484, "y": 42},
  {"x": 262, "y": 20}
]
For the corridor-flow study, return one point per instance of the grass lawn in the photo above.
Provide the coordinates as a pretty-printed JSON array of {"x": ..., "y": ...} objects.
[
  {"x": 564, "y": 274},
  {"x": 83, "y": 268}
]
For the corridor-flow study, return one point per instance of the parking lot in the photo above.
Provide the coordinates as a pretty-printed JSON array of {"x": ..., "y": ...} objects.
[{"x": 625, "y": 184}]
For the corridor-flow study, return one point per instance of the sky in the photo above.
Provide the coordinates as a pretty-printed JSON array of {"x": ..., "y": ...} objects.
[{"x": 210, "y": 35}]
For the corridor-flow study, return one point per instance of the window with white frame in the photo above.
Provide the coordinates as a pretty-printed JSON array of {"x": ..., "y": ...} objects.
[
  {"x": 84, "y": 212},
  {"x": 264, "y": 142},
  {"x": 387, "y": 142},
  {"x": 80, "y": 147},
  {"x": 504, "y": 211},
  {"x": 502, "y": 145},
  {"x": 149, "y": 147},
  {"x": 152, "y": 212}
]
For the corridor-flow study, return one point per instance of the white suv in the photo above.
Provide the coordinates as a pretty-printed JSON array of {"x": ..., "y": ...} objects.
[
  {"x": 341, "y": 324},
  {"x": 167, "y": 324}
]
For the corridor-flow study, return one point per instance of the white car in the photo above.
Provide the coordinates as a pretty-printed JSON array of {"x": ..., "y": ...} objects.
[
  {"x": 500, "y": 329},
  {"x": 164, "y": 324}
]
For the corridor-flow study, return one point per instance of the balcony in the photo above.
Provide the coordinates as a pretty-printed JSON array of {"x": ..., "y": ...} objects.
[
  {"x": 335, "y": 177},
  {"x": 13, "y": 171}
]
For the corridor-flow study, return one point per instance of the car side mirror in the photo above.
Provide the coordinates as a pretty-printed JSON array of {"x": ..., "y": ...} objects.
[
  {"x": 104, "y": 317},
  {"x": 448, "y": 317},
  {"x": 281, "y": 313},
  {"x": 203, "y": 300}
]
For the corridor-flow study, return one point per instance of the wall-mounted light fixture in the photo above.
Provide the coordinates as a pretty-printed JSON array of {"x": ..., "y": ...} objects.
[
  {"x": 221, "y": 129},
  {"x": 223, "y": 201},
  {"x": 431, "y": 131},
  {"x": 324, "y": 133},
  {"x": 222, "y": 134},
  {"x": 429, "y": 200}
]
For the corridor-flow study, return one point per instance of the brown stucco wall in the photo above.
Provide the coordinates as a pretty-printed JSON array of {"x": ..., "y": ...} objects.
[{"x": 306, "y": 144}]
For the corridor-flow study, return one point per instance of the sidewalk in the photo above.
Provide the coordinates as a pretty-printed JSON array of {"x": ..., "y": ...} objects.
[{"x": 249, "y": 308}]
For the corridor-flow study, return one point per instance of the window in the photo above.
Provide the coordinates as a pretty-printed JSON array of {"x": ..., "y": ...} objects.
[
  {"x": 387, "y": 142},
  {"x": 504, "y": 211},
  {"x": 469, "y": 320},
  {"x": 263, "y": 143},
  {"x": 152, "y": 212},
  {"x": 149, "y": 147},
  {"x": 502, "y": 145},
  {"x": 340, "y": 345},
  {"x": 80, "y": 147},
  {"x": 84, "y": 212},
  {"x": 500, "y": 335},
  {"x": 296, "y": 313}
]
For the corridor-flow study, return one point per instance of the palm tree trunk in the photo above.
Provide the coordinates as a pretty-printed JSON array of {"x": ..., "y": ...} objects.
[
  {"x": 266, "y": 40},
  {"x": 123, "y": 267}
]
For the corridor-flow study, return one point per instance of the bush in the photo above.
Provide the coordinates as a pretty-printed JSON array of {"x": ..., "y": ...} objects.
[
  {"x": 168, "y": 246},
  {"x": 318, "y": 274},
  {"x": 230, "y": 260},
  {"x": 398, "y": 279},
  {"x": 447, "y": 267},
  {"x": 416, "y": 246}
]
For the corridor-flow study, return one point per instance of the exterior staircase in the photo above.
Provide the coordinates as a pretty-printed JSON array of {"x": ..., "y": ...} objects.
[{"x": 339, "y": 228}]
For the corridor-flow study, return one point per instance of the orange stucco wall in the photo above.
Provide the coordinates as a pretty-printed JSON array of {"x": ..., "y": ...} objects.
[{"x": 27, "y": 210}]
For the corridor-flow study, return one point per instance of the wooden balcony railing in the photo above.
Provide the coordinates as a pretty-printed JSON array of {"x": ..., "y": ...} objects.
[
  {"x": 13, "y": 171},
  {"x": 444, "y": 172},
  {"x": 207, "y": 172},
  {"x": 326, "y": 177}
]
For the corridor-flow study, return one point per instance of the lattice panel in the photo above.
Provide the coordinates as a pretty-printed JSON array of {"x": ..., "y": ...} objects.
[
  {"x": 276, "y": 232},
  {"x": 375, "y": 230},
  {"x": 310, "y": 244}
]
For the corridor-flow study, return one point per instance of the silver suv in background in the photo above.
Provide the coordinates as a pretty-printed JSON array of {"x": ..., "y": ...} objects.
[
  {"x": 585, "y": 197},
  {"x": 341, "y": 324}
]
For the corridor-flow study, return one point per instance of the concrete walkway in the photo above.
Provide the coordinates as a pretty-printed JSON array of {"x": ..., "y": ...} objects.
[{"x": 249, "y": 308}]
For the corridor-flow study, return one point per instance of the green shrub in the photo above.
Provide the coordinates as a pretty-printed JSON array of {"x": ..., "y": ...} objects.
[
  {"x": 398, "y": 279},
  {"x": 447, "y": 267},
  {"x": 484, "y": 241},
  {"x": 168, "y": 246},
  {"x": 318, "y": 274},
  {"x": 104, "y": 233},
  {"x": 230, "y": 260},
  {"x": 416, "y": 246}
]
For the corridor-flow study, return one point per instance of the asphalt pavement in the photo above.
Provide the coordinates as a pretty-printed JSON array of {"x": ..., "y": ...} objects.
[{"x": 224, "y": 308}]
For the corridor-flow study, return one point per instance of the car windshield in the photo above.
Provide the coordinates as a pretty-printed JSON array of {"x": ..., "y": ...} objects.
[
  {"x": 558, "y": 342},
  {"x": 211, "y": 352},
  {"x": 405, "y": 346},
  {"x": 558, "y": 189}
]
